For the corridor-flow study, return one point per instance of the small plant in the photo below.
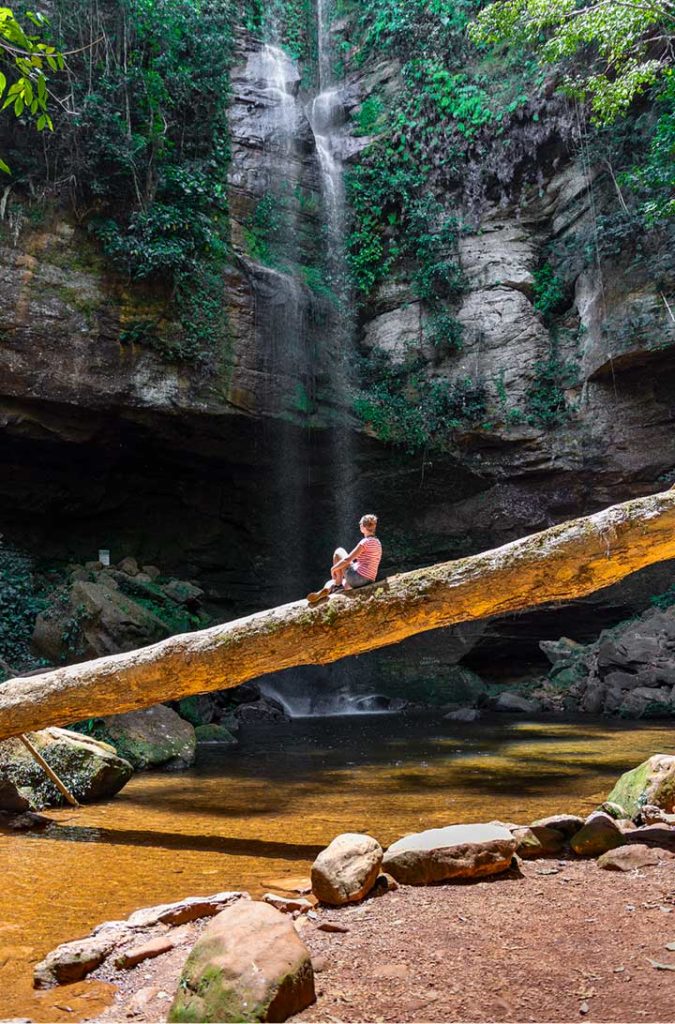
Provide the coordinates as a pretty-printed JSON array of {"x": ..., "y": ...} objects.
[
  {"x": 545, "y": 400},
  {"x": 549, "y": 292}
]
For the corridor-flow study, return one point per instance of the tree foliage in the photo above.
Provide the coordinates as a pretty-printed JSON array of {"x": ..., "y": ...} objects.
[
  {"x": 25, "y": 61},
  {"x": 610, "y": 51}
]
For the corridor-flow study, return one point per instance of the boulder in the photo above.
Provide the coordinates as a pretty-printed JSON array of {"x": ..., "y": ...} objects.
[
  {"x": 214, "y": 733},
  {"x": 652, "y": 782},
  {"x": 72, "y": 961},
  {"x": 249, "y": 965},
  {"x": 346, "y": 870},
  {"x": 12, "y": 796},
  {"x": 458, "y": 851},
  {"x": 630, "y": 858},
  {"x": 515, "y": 703},
  {"x": 129, "y": 566},
  {"x": 90, "y": 769},
  {"x": 190, "y": 909},
  {"x": 463, "y": 715},
  {"x": 614, "y": 810},
  {"x": 599, "y": 834},
  {"x": 646, "y": 702},
  {"x": 660, "y": 835},
  {"x": 562, "y": 652},
  {"x": 538, "y": 841},
  {"x": 151, "y": 737},
  {"x": 264, "y": 710},
  {"x": 568, "y": 824}
]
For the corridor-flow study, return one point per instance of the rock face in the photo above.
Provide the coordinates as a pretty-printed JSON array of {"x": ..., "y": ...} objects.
[
  {"x": 249, "y": 965},
  {"x": 346, "y": 870},
  {"x": 89, "y": 413},
  {"x": 630, "y": 670},
  {"x": 154, "y": 736},
  {"x": 90, "y": 769},
  {"x": 103, "y": 610},
  {"x": 652, "y": 782},
  {"x": 459, "y": 851}
]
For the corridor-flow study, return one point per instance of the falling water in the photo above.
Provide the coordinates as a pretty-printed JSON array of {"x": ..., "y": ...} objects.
[
  {"x": 326, "y": 115},
  {"x": 285, "y": 345}
]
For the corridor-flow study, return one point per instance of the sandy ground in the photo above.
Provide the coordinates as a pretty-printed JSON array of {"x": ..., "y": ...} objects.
[{"x": 555, "y": 941}]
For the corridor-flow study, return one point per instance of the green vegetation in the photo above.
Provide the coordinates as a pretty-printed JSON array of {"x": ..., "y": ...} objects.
[
  {"x": 608, "y": 51},
  {"x": 289, "y": 22},
  {"x": 143, "y": 137},
  {"x": 546, "y": 405},
  {"x": 549, "y": 292},
  {"x": 25, "y": 63},
  {"x": 405, "y": 408},
  {"x": 20, "y": 604}
]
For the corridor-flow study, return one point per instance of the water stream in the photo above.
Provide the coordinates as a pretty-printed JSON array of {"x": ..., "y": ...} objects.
[{"x": 243, "y": 817}]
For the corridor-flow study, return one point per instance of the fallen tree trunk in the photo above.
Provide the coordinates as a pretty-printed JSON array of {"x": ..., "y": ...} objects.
[{"x": 559, "y": 564}]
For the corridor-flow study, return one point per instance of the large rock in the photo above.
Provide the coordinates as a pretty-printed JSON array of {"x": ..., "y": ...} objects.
[
  {"x": 537, "y": 841},
  {"x": 568, "y": 824},
  {"x": 73, "y": 960},
  {"x": 458, "y": 851},
  {"x": 652, "y": 782},
  {"x": 631, "y": 857},
  {"x": 631, "y": 667},
  {"x": 249, "y": 965},
  {"x": 346, "y": 870},
  {"x": 90, "y": 769},
  {"x": 599, "y": 834},
  {"x": 515, "y": 703},
  {"x": 154, "y": 736}
]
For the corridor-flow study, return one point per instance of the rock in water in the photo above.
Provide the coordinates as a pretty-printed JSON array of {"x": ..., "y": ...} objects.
[
  {"x": 249, "y": 965},
  {"x": 154, "y": 736},
  {"x": 515, "y": 703},
  {"x": 458, "y": 851},
  {"x": 346, "y": 870},
  {"x": 652, "y": 782},
  {"x": 90, "y": 769}
]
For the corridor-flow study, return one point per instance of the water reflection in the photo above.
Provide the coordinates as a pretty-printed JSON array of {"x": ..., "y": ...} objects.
[{"x": 265, "y": 809}]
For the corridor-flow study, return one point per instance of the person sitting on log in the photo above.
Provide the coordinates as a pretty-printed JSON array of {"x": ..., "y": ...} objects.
[{"x": 356, "y": 569}]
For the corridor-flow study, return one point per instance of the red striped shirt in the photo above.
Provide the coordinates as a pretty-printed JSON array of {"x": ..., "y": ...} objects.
[{"x": 368, "y": 561}]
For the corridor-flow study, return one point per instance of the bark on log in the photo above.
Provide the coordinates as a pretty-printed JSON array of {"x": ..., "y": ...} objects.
[{"x": 558, "y": 564}]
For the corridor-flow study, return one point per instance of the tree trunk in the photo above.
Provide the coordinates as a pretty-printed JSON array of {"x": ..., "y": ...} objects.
[{"x": 565, "y": 562}]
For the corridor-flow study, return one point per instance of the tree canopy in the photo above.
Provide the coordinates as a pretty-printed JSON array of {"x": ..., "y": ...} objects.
[
  {"x": 25, "y": 58},
  {"x": 609, "y": 50}
]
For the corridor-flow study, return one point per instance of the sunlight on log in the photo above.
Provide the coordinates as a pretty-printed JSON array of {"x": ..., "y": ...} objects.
[{"x": 559, "y": 564}]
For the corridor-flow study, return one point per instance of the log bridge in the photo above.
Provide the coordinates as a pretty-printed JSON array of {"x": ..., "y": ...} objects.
[{"x": 559, "y": 564}]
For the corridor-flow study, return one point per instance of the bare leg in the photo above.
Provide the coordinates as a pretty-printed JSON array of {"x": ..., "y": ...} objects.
[{"x": 338, "y": 555}]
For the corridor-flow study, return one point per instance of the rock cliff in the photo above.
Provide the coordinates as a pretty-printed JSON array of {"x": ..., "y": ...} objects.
[{"x": 225, "y": 470}]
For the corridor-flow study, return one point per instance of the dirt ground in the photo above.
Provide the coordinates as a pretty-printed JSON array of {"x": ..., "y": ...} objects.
[{"x": 555, "y": 941}]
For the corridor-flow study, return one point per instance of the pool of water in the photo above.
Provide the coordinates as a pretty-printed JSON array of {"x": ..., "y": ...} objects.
[{"x": 245, "y": 816}]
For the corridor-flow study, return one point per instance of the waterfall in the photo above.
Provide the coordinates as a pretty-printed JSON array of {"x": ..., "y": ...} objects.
[
  {"x": 305, "y": 336},
  {"x": 326, "y": 114}
]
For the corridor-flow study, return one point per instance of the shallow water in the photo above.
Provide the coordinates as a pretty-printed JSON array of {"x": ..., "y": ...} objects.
[{"x": 245, "y": 816}]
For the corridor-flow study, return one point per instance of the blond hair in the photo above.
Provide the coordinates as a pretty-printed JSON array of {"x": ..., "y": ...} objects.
[{"x": 369, "y": 521}]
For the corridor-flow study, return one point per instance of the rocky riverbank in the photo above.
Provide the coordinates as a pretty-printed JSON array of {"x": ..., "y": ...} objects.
[{"x": 515, "y": 905}]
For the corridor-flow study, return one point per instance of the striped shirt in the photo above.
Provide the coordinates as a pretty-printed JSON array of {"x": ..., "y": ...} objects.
[{"x": 370, "y": 553}]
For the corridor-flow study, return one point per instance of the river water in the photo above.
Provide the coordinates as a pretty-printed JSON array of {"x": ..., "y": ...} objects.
[{"x": 245, "y": 816}]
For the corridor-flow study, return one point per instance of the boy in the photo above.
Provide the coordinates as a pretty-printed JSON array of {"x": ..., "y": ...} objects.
[{"x": 356, "y": 569}]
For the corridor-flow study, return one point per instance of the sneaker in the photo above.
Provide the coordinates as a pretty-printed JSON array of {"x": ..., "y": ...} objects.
[{"x": 321, "y": 595}]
